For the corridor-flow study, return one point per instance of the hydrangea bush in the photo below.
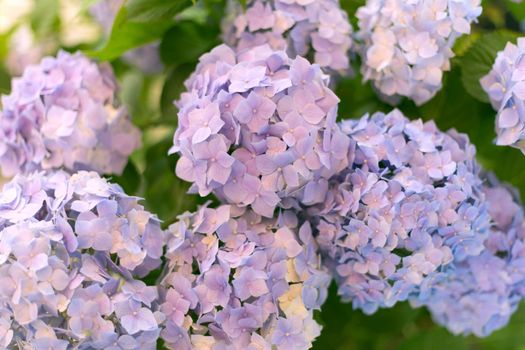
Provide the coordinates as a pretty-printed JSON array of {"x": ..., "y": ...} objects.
[
  {"x": 237, "y": 280},
  {"x": 72, "y": 251},
  {"x": 315, "y": 28},
  {"x": 285, "y": 212},
  {"x": 407, "y": 45},
  {"x": 62, "y": 113},
  {"x": 258, "y": 129}
]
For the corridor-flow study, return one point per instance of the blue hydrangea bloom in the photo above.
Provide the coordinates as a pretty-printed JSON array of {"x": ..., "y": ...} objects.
[
  {"x": 409, "y": 203},
  {"x": 478, "y": 295}
]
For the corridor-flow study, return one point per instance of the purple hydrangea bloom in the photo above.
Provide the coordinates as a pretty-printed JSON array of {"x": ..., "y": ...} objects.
[
  {"x": 478, "y": 295},
  {"x": 237, "y": 280},
  {"x": 72, "y": 248},
  {"x": 146, "y": 57},
  {"x": 505, "y": 85},
  {"x": 406, "y": 45},
  {"x": 258, "y": 129},
  {"x": 319, "y": 29},
  {"x": 409, "y": 204},
  {"x": 61, "y": 114}
]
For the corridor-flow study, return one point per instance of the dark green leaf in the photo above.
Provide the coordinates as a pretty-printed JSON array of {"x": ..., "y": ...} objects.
[
  {"x": 173, "y": 87},
  {"x": 129, "y": 180},
  {"x": 5, "y": 81},
  {"x": 357, "y": 98},
  {"x": 186, "y": 41},
  {"x": 478, "y": 60},
  {"x": 351, "y": 6},
  {"x": 154, "y": 10},
  {"x": 517, "y": 10},
  {"x": 437, "y": 338}
]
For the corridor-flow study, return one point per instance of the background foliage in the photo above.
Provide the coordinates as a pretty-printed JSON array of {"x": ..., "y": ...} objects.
[{"x": 186, "y": 30}]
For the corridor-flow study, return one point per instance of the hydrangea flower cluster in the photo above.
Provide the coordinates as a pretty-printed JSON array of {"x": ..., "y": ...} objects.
[
  {"x": 505, "y": 85},
  {"x": 317, "y": 28},
  {"x": 479, "y": 294},
  {"x": 71, "y": 250},
  {"x": 61, "y": 114},
  {"x": 258, "y": 129},
  {"x": 236, "y": 280},
  {"x": 409, "y": 204},
  {"x": 406, "y": 45}
]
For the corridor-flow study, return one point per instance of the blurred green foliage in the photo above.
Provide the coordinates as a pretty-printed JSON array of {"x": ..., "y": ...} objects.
[{"x": 186, "y": 29}]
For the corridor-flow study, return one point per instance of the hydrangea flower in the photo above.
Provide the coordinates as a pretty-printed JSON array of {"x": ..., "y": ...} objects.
[
  {"x": 479, "y": 294},
  {"x": 319, "y": 29},
  {"x": 258, "y": 129},
  {"x": 505, "y": 85},
  {"x": 146, "y": 57},
  {"x": 406, "y": 45},
  {"x": 409, "y": 203},
  {"x": 61, "y": 114},
  {"x": 72, "y": 248},
  {"x": 236, "y": 280}
]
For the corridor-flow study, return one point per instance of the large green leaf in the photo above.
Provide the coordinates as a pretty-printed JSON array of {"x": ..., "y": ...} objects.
[
  {"x": 154, "y": 10},
  {"x": 139, "y": 22},
  {"x": 478, "y": 60},
  {"x": 126, "y": 35},
  {"x": 45, "y": 16},
  {"x": 186, "y": 41},
  {"x": 518, "y": 10}
]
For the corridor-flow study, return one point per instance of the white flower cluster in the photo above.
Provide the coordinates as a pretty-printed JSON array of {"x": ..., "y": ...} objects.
[{"x": 407, "y": 44}]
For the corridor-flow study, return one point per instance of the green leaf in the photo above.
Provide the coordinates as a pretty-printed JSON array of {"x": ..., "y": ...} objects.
[
  {"x": 464, "y": 43},
  {"x": 129, "y": 180},
  {"x": 45, "y": 17},
  {"x": 126, "y": 35},
  {"x": 5, "y": 81},
  {"x": 351, "y": 6},
  {"x": 186, "y": 41},
  {"x": 517, "y": 10},
  {"x": 173, "y": 87},
  {"x": 137, "y": 23},
  {"x": 428, "y": 340},
  {"x": 154, "y": 10},
  {"x": 478, "y": 61},
  {"x": 356, "y": 97}
]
